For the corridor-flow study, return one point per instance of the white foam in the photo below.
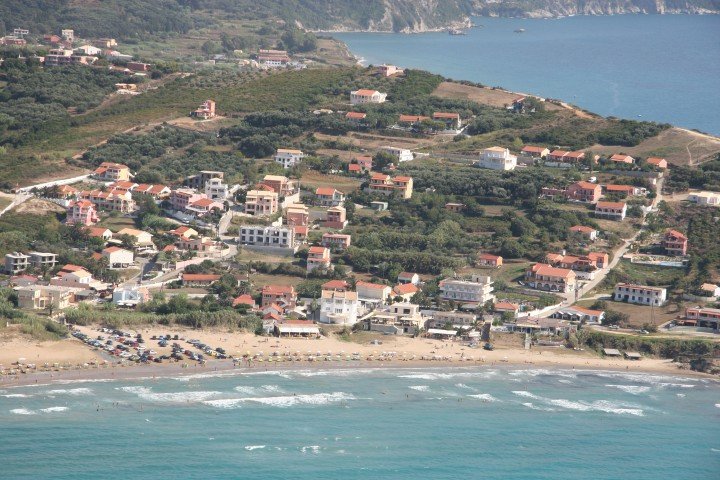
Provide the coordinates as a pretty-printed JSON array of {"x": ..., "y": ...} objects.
[
  {"x": 314, "y": 449},
  {"x": 72, "y": 391},
  {"x": 717, "y": 405},
  {"x": 522, "y": 393},
  {"x": 486, "y": 397},
  {"x": 137, "y": 389},
  {"x": 224, "y": 402},
  {"x": 53, "y": 409},
  {"x": 634, "y": 389},
  {"x": 675, "y": 385},
  {"x": 536, "y": 372},
  {"x": 448, "y": 376},
  {"x": 22, "y": 411},
  {"x": 250, "y": 448},
  {"x": 532, "y": 406},
  {"x": 462, "y": 385},
  {"x": 582, "y": 406},
  {"x": 272, "y": 388},
  {"x": 178, "y": 397},
  {"x": 246, "y": 390},
  {"x": 16, "y": 395},
  {"x": 420, "y": 388}
]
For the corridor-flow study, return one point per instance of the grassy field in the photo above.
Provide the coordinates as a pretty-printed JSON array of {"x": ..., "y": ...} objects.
[
  {"x": 5, "y": 201},
  {"x": 639, "y": 315},
  {"x": 117, "y": 223},
  {"x": 312, "y": 179}
]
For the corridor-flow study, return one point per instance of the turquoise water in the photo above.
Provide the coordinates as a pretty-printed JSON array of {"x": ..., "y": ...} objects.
[
  {"x": 492, "y": 423},
  {"x": 663, "y": 67}
]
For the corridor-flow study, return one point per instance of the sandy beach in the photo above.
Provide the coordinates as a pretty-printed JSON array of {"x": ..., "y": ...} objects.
[{"x": 72, "y": 360}]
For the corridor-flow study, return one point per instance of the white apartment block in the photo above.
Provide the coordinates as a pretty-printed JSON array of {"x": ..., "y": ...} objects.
[
  {"x": 402, "y": 154},
  {"x": 358, "y": 97},
  {"x": 339, "y": 307},
  {"x": 640, "y": 294},
  {"x": 215, "y": 189},
  {"x": 497, "y": 158},
  {"x": 477, "y": 290},
  {"x": 281, "y": 237},
  {"x": 261, "y": 202},
  {"x": 288, "y": 157}
]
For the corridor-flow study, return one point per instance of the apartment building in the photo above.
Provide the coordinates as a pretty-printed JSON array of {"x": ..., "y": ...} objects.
[
  {"x": 261, "y": 202},
  {"x": 640, "y": 294}
]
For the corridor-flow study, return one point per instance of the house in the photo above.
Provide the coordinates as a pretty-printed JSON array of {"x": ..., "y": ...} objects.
[
  {"x": 477, "y": 290},
  {"x": 281, "y": 185},
  {"x": 215, "y": 189},
  {"x": 43, "y": 297},
  {"x": 204, "y": 206},
  {"x": 106, "y": 42},
  {"x": 579, "y": 314},
  {"x": 205, "y": 111},
  {"x": 42, "y": 260},
  {"x": 297, "y": 215},
  {"x": 584, "y": 192},
  {"x": 411, "y": 120},
  {"x": 88, "y": 50},
  {"x": 329, "y": 196},
  {"x": 625, "y": 190},
  {"x": 611, "y": 210},
  {"x": 454, "y": 207},
  {"x": 675, "y": 243},
  {"x": 405, "y": 290},
  {"x": 401, "y": 154},
  {"x": 489, "y": 260},
  {"x": 540, "y": 326},
  {"x": 356, "y": 117},
  {"x": 497, "y": 158},
  {"x": 130, "y": 296},
  {"x": 401, "y": 318},
  {"x": 584, "y": 266},
  {"x": 506, "y": 307},
  {"x": 336, "y": 285},
  {"x": 199, "y": 279},
  {"x": 640, "y": 294},
  {"x": 158, "y": 192},
  {"x": 261, "y": 202},
  {"x": 98, "y": 232},
  {"x": 13, "y": 40},
  {"x": 386, "y": 185},
  {"x": 536, "y": 153},
  {"x": 113, "y": 200},
  {"x": 452, "y": 319},
  {"x": 16, "y": 262},
  {"x": 318, "y": 258},
  {"x": 268, "y": 237},
  {"x": 338, "y": 307},
  {"x": 76, "y": 277},
  {"x": 388, "y": 70},
  {"x": 244, "y": 300},
  {"x": 660, "y": 163},
  {"x": 198, "y": 181},
  {"x": 574, "y": 157},
  {"x": 182, "y": 197},
  {"x": 184, "y": 232},
  {"x": 111, "y": 171},
  {"x": 546, "y": 277},
  {"x": 704, "y": 198},
  {"x": 451, "y": 120},
  {"x": 117, "y": 257},
  {"x": 63, "y": 191},
  {"x": 122, "y": 186},
  {"x": 379, "y": 206},
  {"x": 587, "y": 232},
  {"x": 141, "y": 240},
  {"x": 710, "y": 289},
  {"x": 372, "y": 292},
  {"x": 336, "y": 218},
  {"x": 365, "y": 162},
  {"x": 203, "y": 246},
  {"x": 336, "y": 241},
  {"x": 282, "y": 295},
  {"x": 358, "y": 97},
  {"x": 288, "y": 157},
  {"x": 408, "y": 277},
  {"x": 703, "y": 317},
  {"x": 138, "y": 66},
  {"x": 81, "y": 212},
  {"x": 296, "y": 328},
  {"x": 621, "y": 158},
  {"x": 557, "y": 156}
]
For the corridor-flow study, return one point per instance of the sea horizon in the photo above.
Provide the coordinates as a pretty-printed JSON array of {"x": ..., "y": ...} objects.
[{"x": 583, "y": 60}]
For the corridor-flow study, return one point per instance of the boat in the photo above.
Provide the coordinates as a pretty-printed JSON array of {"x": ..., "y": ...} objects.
[
  {"x": 520, "y": 30},
  {"x": 455, "y": 31}
]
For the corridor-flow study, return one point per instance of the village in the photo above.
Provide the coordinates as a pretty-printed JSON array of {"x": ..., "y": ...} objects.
[{"x": 279, "y": 250}]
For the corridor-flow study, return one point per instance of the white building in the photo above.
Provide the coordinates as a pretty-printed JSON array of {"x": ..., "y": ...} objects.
[
  {"x": 402, "y": 154},
  {"x": 361, "y": 96},
  {"x": 288, "y": 157},
  {"x": 16, "y": 262},
  {"x": 42, "y": 260},
  {"x": 704, "y": 198},
  {"x": 130, "y": 296},
  {"x": 215, "y": 189},
  {"x": 338, "y": 307},
  {"x": 497, "y": 158},
  {"x": 439, "y": 319},
  {"x": 477, "y": 290},
  {"x": 117, "y": 257},
  {"x": 276, "y": 237},
  {"x": 372, "y": 293},
  {"x": 640, "y": 294},
  {"x": 398, "y": 319}
]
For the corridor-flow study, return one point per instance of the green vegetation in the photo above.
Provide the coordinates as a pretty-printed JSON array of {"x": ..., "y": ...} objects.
[
  {"x": 39, "y": 328},
  {"x": 661, "y": 347},
  {"x": 704, "y": 177}
]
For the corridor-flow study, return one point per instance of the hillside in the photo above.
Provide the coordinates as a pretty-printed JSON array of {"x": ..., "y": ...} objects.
[{"x": 135, "y": 18}]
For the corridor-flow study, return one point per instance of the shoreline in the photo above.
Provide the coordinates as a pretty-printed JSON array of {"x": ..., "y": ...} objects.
[{"x": 220, "y": 368}]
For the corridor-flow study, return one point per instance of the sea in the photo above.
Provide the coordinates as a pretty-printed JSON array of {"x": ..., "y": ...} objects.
[
  {"x": 663, "y": 68},
  {"x": 484, "y": 422}
]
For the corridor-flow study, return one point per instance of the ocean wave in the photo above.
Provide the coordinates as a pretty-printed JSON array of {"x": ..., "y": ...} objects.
[
  {"x": 486, "y": 397},
  {"x": 309, "y": 399},
  {"x": 462, "y": 385},
  {"x": 634, "y": 389},
  {"x": 224, "y": 402},
  {"x": 420, "y": 388},
  {"x": 16, "y": 395},
  {"x": 532, "y": 406},
  {"x": 137, "y": 389},
  {"x": 448, "y": 376},
  {"x": 53, "y": 409},
  {"x": 178, "y": 397},
  {"x": 250, "y": 448},
  {"x": 537, "y": 372},
  {"x": 72, "y": 391},
  {"x": 277, "y": 373},
  {"x": 22, "y": 411},
  {"x": 675, "y": 385},
  {"x": 522, "y": 393},
  {"x": 606, "y": 406},
  {"x": 643, "y": 378},
  {"x": 717, "y": 405},
  {"x": 313, "y": 449}
]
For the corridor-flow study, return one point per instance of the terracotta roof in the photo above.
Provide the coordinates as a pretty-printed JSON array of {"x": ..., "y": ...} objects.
[
  {"x": 550, "y": 271},
  {"x": 243, "y": 300},
  {"x": 200, "y": 277},
  {"x": 407, "y": 275},
  {"x": 96, "y": 231},
  {"x": 412, "y": 118},
  {"x": 619, "y": 188},
  {"x": 356, "y": 115},
  {"x": 582, "y": 228},
  {"x": 575, "y": 154},
  {"x": 586, "y": 185},
  {"x": 379, "y": 176},
  {"x": 405, "y": 288},
  {"x": 401, "y": 179},
  {"x": 365, "y": 92},
  {"x": 618, "y": 157},
  {"x": 507, "y": 306},
  {"x": 278, "y": 290},
  {"x": 113, "y": 249},
  {"x": 489, "y": 256},
  {"x": 446, "y": 115},
  {"x": 354, "y": 167},
  {"x": 618, "y": 205},
  {"x": 376, "y": 286},
  {"x": 559, "y": 153},
  {"x": 677, "y": 234},
  {"x": 335, "y": 284},
  {"x": 317, "y": 250},
  {"x": 532, "y": 149},
  {"x": 586, "y": 311},
  {"x": 325, "y": 191},
  {"x": 655, "y": 161}
]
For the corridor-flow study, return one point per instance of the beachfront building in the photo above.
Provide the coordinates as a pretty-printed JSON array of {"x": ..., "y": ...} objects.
[
  {"x": 497, "y": 158},
  {"x": 359, "y": 97},
  {"x": 130, "y": 295},
  {"x": 675, "y": 243},
  {"x": 703, "y": 317},
  {"x": 452, "y": 319},
  {"x": 336, "y": 241},
  {"x": 44, "y": 297},
  {"x": 261, "y": 202},
  {"x": 339, "y": 307},
  {"x": 372, "y": 293},
  {"x": 282, "y": 295},
  {"x": 640, "y": 294},
  {"x": 611, "y": 210},
  {"x": 383, "y": 184},
  {"x": 16, "y": 262},
  {"x": 318, "y": 258},
  {"x": 329, "y": 196},
  {"x": 278, "y": 238},
  {"x": 579, "y": 314},
  {"x": 112, "y": 172},
  {"x": 335, "y": 218},
  {"x": 477, "y": 290},
  {"x": 400, "y": 318},
  {"x": 546, "y": 277},
  {"x": 288, "y": 157},
  {"x": 401, "y": 154}
]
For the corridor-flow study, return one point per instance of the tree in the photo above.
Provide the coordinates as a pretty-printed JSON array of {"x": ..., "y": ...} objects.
[
  {"x": 382, "y": 160},
  {"x": 211, "y": 48}
]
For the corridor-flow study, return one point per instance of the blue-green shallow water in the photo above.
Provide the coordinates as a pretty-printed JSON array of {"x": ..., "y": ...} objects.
[
  {"x": 663, "y": 67},
  {"x": 489, "y": 423}
]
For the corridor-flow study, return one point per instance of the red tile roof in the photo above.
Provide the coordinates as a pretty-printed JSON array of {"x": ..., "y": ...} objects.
[
  {"x": 617, "y": 205},
  {"x": 200, "y": 277},
  {"x": 329, "y": 191},
  {"x": 405, "y": 288},
  {"x": 356, "y": 115}
]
